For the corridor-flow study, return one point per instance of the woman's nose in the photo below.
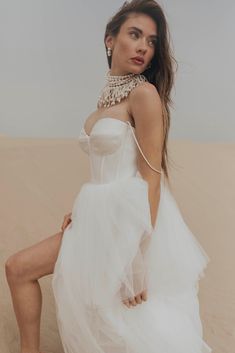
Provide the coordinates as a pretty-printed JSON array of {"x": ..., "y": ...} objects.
[
  {"x": 142, "y": 46},
  {"x": 142, "y": 50}
]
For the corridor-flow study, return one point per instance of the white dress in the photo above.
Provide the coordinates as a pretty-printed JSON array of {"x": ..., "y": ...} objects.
[{"x": 110, "y": 252}]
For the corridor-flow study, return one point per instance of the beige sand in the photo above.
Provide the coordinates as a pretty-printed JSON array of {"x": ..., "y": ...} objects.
[{"x": 39, "y": 180}]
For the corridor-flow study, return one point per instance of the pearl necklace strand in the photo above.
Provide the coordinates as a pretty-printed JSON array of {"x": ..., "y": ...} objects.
[{"x": 118, "y": 87}]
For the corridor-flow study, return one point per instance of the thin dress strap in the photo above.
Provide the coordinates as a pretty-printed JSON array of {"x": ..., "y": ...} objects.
[{"x": 156, "y": 170}]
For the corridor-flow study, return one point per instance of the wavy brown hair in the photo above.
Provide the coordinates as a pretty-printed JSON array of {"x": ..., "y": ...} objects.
[{"x": 161, "y": 73}]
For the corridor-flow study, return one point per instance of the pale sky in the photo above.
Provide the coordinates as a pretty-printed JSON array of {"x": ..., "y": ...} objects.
[{"x": 53, "y": 66}]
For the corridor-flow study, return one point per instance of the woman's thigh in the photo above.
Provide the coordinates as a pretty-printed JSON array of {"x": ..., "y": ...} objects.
[{"x": 35, "y": 261}]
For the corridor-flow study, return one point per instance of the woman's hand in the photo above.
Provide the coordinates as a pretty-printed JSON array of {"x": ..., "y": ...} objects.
[
  {"x": 136, "y": 300},
  {"x": 67, "y": 221}
]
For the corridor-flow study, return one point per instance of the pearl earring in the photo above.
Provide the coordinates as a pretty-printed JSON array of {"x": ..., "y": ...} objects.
[{"x": 109, "y": 51}]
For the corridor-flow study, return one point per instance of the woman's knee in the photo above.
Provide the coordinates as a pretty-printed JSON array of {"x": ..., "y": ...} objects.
[
  {"x": 34, "y": 262},
  {"x": 15, "y": 267}
]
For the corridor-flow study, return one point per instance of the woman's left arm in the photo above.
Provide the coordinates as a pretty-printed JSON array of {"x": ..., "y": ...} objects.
[{"x": 145, "y": 107}]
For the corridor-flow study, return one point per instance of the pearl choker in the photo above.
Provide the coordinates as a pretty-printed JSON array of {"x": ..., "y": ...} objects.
[{"x": 118, "y": 87}]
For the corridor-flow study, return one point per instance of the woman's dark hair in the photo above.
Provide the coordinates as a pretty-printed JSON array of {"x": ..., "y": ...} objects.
[{"x": 161, "y": 73}]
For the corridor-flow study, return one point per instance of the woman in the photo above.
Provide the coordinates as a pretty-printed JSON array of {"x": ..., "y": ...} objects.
[{"x": 125, "y": 265}]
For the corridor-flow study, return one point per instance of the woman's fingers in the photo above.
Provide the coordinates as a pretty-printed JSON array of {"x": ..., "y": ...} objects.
[
  {"x": 67, "y": 220},
  {"x": 138, "y": 299},
  {"x": 144, "y": 295},
  {"x": 126, "y": 302},
  {"x": 133, "y": 301},
  {"x": 66, "y": 223}
]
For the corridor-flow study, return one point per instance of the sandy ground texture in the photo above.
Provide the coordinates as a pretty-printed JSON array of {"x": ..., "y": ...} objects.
[{"x": 39, "y": 181}]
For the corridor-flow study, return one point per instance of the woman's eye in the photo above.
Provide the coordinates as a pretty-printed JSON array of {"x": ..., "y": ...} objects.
[
  {"x": 135, "y": 34},
  {"x": 153, "y": 42}
]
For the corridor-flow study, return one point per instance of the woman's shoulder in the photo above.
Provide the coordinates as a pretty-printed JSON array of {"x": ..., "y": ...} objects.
[
  {"x": 145, "y": 92},
  {"x": 144, "y": 89}
]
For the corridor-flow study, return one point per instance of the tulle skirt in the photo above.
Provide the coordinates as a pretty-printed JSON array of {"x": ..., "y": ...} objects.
[{"x": 110, "y": 252}]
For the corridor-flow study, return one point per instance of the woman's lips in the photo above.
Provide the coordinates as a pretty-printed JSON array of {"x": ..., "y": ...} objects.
[{"x": 137, "y": 62}]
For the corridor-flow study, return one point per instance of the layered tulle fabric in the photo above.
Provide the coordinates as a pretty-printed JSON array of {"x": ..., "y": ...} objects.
[
  {"x": 175, "y": 256},
  {"x": 110, "y": 252},
  {"x": 110, "y": 227}
]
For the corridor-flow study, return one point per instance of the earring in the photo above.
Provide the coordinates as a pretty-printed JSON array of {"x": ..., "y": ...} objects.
[
  {"x": 109, "y": 51},
  {"x": 148, "y": 67}
]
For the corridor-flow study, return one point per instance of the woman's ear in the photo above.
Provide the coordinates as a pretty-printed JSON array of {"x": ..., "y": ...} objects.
[{"x": 109, "y": 41}]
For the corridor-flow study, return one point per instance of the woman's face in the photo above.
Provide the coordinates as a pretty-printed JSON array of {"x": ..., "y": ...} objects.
[{"x": 136, "y": 38}]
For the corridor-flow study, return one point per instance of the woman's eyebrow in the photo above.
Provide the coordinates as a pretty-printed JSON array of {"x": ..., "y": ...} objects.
[{"x": 140, "y": 31}]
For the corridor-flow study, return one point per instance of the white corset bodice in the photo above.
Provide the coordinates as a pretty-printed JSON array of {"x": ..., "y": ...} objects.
[{"x": 111, "y": 150}]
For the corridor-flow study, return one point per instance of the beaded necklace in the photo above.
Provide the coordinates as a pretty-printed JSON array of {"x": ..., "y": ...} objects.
[{"x": 118, "y": 87}]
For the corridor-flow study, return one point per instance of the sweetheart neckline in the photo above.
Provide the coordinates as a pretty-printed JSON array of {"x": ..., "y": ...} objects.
[
  {"x": 127, "y": 122},
  {"x": 107, "y": 117}
]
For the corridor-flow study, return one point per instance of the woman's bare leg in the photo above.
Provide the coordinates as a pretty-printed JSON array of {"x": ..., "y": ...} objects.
[{"x": 23, "y": 270}]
